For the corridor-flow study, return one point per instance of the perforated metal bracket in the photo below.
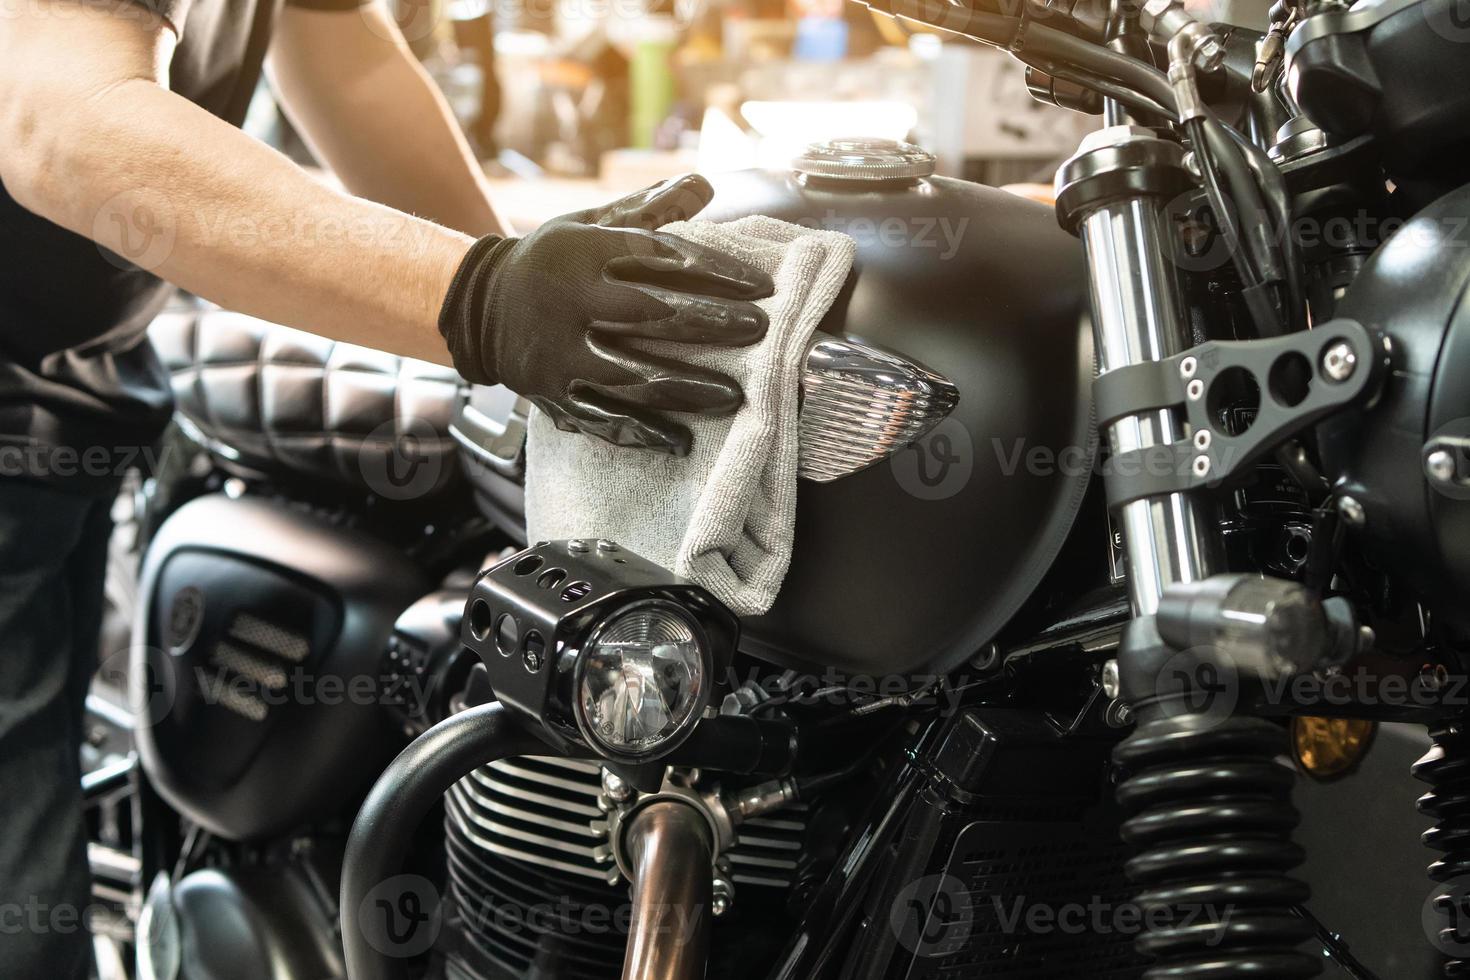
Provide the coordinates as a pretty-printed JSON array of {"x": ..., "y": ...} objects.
[{"x": 1301, "y": 378}]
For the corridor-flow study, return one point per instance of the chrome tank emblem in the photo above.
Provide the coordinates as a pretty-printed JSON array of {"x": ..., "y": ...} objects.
[{"x": 861, "y": 403}]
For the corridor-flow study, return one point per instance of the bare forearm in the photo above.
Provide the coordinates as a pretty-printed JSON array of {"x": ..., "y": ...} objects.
[
  {"x": 167, "y": 185},
  {"x": 369, "y": 111}
]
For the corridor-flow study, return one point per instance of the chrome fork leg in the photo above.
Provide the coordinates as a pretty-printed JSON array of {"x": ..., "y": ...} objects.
[{"x": 1137, "y": 316}]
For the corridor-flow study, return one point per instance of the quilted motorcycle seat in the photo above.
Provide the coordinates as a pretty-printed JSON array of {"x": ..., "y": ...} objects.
[{"x": 269, "y": 400}]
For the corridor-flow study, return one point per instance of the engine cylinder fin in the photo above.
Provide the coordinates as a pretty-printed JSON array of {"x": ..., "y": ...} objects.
[{"x": 530, "y": 880}]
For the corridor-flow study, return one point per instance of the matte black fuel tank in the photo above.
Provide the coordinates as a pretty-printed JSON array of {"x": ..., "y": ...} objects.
[{"x": 913, "y": 564}]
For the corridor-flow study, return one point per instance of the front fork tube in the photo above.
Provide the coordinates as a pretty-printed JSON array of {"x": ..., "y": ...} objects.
[{"x": 1207, "y": 804}]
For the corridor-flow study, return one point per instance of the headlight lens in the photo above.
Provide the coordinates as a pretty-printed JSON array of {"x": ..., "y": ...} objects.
[{"x": 641, "y": 680}]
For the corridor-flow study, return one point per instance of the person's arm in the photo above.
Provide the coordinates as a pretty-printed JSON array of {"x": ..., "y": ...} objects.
[
  {"x": 91, "y": 139},
  {"x": 368, "y": 110}
]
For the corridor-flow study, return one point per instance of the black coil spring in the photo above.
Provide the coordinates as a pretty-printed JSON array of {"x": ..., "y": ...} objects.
[
  {"x": 1446, "y": 768},
  {"x": 1210, "y": 810}
]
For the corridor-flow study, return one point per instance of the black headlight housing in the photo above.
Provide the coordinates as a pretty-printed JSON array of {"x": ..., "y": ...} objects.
[{"x": 600, "y": 647}]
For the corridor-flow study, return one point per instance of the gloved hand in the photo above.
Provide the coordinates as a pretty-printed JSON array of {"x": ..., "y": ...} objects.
[{"x": 548, "y": 316}]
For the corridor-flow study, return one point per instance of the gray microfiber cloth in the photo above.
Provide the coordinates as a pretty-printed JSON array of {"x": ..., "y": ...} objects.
[{"x": 723, "y": 516}]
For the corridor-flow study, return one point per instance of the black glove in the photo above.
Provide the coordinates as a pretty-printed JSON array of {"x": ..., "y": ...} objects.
[{"x": 547, "y": 315}]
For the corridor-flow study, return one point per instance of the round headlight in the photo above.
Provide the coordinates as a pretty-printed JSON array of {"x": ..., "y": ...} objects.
[{"x": 641, "y": 680}]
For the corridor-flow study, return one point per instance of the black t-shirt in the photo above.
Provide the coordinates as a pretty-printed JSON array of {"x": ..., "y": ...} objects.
[{"x": 82, "y": 393}]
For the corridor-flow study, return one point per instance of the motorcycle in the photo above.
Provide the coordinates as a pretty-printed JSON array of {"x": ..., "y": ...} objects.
[{"x": 1120, "y": 523}]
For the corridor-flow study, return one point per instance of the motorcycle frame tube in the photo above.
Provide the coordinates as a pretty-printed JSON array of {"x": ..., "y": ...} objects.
[
  {"x": 411, "y": 785},
  {"x": 1137, "y": 318},
  {"x": 668, "y": 843}
]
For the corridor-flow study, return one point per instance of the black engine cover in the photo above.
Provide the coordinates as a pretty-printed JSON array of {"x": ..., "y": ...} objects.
[
  {"x": 1397, "y": 70},
  {"x": 257, "y": 682},
  {"x": 1416, "y": 289}
]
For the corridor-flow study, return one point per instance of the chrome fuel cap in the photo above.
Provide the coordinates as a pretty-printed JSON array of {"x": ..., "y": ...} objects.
[{"x": 864, "y": 159}]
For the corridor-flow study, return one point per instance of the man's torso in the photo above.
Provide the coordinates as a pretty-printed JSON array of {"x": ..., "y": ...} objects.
[{"x": 77, "y": 374}]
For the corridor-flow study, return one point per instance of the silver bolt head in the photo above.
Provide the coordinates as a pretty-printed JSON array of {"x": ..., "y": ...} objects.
[
  {"x": 1440, "y": 466},
  {"x": 1352, "y": 511},
  {"x": 1111, "y": 681},
  {"x": 1339, "y": 362},
  {"x": 1195, "y": 390},
  {"x": 1118, "y": 715},
  {"x": 1187, "y": 367},
  {"x": 578, "y": 547},
  {"x": 722, "y": 895},
  {"x": 1209, "y": 54},
  {"x": 1201, "y": 465},
  {"x": 1202, "y": 439},
  {"x": 615, "y": 788}
]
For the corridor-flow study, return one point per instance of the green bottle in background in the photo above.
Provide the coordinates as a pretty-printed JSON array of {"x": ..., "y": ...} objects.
[{"x": 651, "y": 76}]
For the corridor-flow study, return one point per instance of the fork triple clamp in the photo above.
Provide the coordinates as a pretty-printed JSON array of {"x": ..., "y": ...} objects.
[{"x": 1301, "y": 377}]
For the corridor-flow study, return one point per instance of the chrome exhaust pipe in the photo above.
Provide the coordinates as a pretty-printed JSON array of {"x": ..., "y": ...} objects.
[{"x": 668, "y": 847}]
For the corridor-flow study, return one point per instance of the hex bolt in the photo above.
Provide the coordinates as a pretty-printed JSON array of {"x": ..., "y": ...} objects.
[
  {"x": 1209, "y": 54},
  {"x": 1111, "y": 682},
  {"x": 1339, "y": 361},
  {"x": 1118, "y": 715}
]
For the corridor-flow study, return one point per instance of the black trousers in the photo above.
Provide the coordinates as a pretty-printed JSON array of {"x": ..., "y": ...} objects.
[{"x": 53, "y": 555}]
